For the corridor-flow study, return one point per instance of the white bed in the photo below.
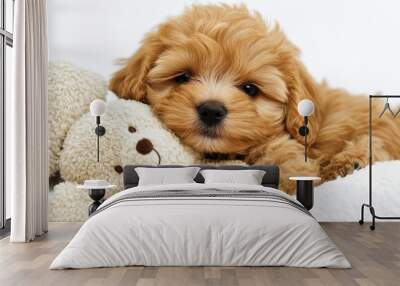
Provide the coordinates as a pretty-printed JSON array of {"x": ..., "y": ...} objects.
[{"x": 186, "y": 230}]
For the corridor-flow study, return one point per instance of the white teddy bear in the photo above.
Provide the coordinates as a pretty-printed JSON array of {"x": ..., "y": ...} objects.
[
  {"x": 134, "y": 136},
  {"x": 71, "y": 90}
]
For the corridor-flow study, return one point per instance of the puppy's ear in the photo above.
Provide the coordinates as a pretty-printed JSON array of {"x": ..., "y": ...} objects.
[
  {"x": 302, "y": 86},
  {"x": 130, "y": 82}
]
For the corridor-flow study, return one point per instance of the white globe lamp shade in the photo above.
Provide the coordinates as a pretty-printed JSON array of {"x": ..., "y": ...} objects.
[
  {"x": 305, "y": 107},
  {"x": 97, "y": 107}
]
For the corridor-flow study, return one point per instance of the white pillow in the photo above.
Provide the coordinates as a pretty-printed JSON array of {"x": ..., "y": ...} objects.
[
  {"x": 247, "y": 177},
  {"x": 166, "y": 176}
]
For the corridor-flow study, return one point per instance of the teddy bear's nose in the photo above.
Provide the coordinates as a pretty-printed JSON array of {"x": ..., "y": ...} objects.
[
  {"x": 144, "y": 146},
  {"x": 211, "y": 112}
]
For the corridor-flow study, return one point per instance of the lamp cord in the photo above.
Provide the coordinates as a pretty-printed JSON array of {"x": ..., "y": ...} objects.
[
  {"x": 158, "y": 155},
  {"x": 98, "y": 144},
  {"x": 305, "y": 137},
  {"x": 98, "y": 137},
  {"x": 305, "y": 145}
]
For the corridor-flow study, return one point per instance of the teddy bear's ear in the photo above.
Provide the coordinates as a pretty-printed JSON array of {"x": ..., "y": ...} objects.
[
  {"x": 302, "y": 86},
  {"x": 130, "y": 82}
]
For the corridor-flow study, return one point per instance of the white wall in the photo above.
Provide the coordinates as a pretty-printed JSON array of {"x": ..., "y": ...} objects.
[{"x": 353, "y": 44}]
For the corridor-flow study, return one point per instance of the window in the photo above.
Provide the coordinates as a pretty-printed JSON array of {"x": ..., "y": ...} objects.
[{"x": 6, "y": 44}]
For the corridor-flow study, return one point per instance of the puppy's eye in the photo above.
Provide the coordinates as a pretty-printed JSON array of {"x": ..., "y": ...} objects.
[
  {"x": 250, "y": 89},
  {"x": 183, "y": 77}
]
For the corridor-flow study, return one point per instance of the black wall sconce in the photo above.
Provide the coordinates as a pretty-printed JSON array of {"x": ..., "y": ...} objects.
[
  {"x": 98, "y": 108},
  {"x": 305, "y": 109}
]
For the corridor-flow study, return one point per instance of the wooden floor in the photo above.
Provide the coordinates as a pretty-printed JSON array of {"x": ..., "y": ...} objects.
[{"x": 375, "y": 257}]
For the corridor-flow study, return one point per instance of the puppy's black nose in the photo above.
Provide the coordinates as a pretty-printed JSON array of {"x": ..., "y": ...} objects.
[{"x": 211, "y": 112}]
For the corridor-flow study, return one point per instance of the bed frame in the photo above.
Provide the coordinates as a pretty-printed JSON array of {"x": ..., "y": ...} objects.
[{"x": 270, "y": 179}]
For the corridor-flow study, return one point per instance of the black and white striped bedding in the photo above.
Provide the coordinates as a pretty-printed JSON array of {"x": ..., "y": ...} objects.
[{"x": 207, "y": 194}]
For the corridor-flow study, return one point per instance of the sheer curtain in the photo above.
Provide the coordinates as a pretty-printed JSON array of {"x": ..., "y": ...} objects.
[{"x": 26, "y": 120}]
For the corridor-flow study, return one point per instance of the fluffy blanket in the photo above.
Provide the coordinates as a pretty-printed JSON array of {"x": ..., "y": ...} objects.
[{"x": 341, "y": 200}]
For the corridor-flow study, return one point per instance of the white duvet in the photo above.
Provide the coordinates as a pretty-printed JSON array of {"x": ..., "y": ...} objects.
[{"x": 188, "y": 231}]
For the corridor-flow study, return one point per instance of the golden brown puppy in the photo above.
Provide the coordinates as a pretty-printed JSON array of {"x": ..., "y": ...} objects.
[{"x": 226, "y": 82}]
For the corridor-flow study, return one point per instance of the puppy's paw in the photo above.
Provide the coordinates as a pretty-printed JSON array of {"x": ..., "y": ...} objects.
[
  {"x": 287, "y": 186},
  {"x": 341, "y": 165}
]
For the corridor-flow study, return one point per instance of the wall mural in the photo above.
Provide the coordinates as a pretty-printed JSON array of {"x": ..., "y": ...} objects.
[{"x": 217, "y": 85}]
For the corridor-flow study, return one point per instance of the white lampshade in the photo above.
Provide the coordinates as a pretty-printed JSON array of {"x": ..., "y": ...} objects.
[
  {"x": 305, "y": 107},
  {"x": 97, "y": 107}
]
